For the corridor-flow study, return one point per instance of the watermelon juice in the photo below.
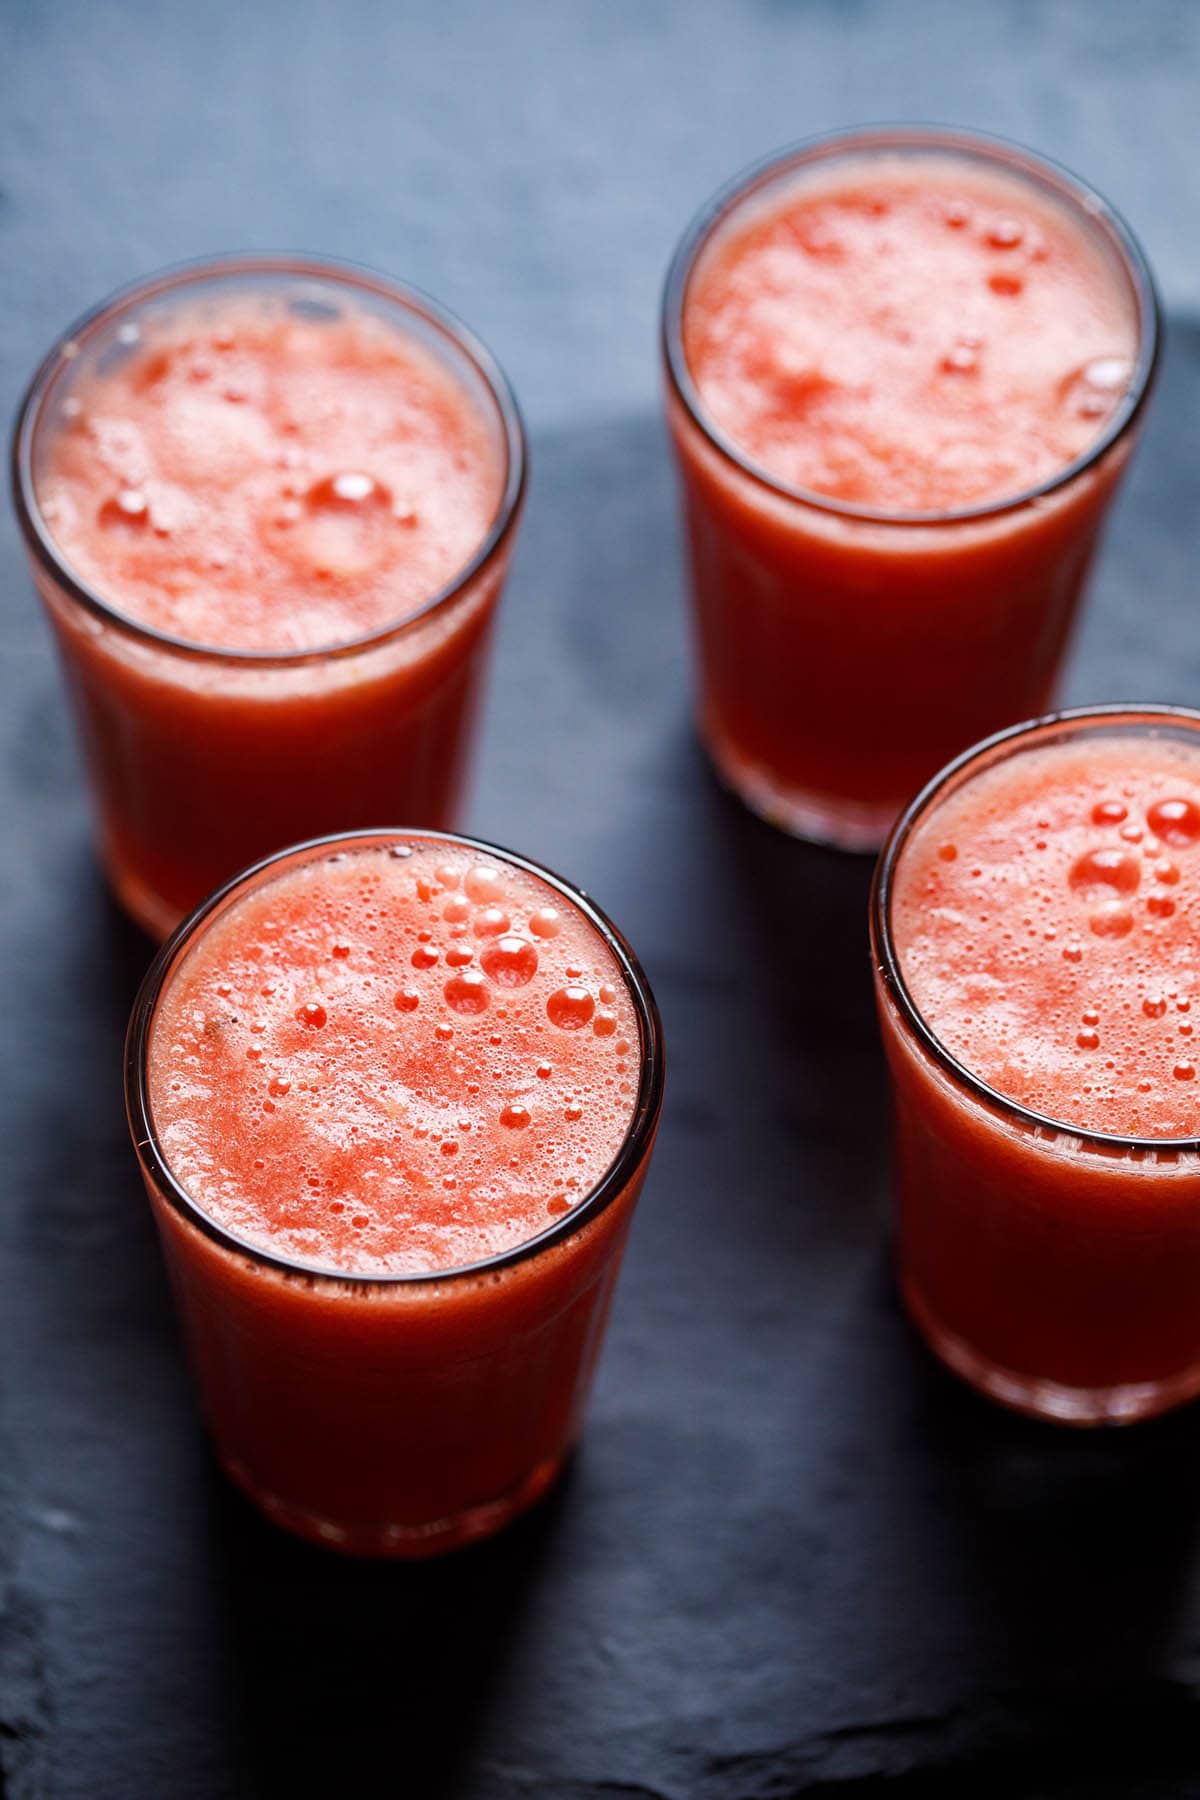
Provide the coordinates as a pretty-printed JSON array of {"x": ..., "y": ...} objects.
[
  {"x": 904, "y": 369},
  {"x": 269, "y": 506},
  {"x": 394, "y": 1098},
  {"x": 1036, "y": 930}
]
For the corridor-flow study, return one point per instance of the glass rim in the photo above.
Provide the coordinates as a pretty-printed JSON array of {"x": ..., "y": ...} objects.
[
  {"x": 634, "y": 1145},
  {"x": 886, "y": 962},
  {"x": 988, "y": 148},
  {"x": 354, "y": 277}
]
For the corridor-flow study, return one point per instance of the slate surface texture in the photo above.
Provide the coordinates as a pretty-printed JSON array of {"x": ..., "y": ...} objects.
[{"x": 792, "y": 1558}]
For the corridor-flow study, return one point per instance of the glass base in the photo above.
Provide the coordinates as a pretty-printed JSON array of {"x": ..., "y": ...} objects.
[
  {"x": 818, "y": 818},
  {"x": 1122, "y": 1404},
  {"x": 153, "y": 915},
  {"x": 403, "y": 1541}
]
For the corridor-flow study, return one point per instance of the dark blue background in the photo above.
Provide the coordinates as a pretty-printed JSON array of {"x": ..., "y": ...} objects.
[{"x": 792, "y": 1558}]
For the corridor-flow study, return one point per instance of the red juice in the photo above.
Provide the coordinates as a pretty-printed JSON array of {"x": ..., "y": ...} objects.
[
  {"x": 901, "y": 371},
  {"x": 1037, "y": 936},
  {"x": 394, "y": 1099},
  {"x": 269, "y": 508}
]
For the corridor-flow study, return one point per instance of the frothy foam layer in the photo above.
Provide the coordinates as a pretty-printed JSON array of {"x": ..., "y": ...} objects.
[
  {"x": 910, "y": 336},
  {"x": 395, "y": 1061},
  {"x": 1047, "y": 921},
  {"x": 250, "y": 479}
]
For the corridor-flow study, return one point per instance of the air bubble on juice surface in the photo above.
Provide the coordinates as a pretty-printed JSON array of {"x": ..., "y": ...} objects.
[
  {"x": 947, "y": 852},
  {"x": 1109, "y": 812},
  {"x": 956, "y": 214},
  {"x": 1006, "y": 285},
  {"x": 459, "y": 955},
  {"x": 312, "y": 1014},
  {"x": 960, "y": 359},
  {"x": 340, "y": 950},
  {"x": 467, "y": 992},
  {"x": 546, "y": 922},
  {"x": 401, "y": 852},
  {"x": 491, "y": 921},
  {"x": 484, "y": 885},
  {"x": 1185, "y": 1071},
  {"x": 1088, "y": 1040},
  {"x": 510, "y": 961},
  {"x": 1090, "y": 1017},
  {"x": 1131, "y": 834},
  {"x": 449, "y": 874},
  {"x": 515, "y": 1116},
  {"x": 424, "y": 956},
  {"x": 456, "y": 910},
  {"x": 604, "y": 1024},
  {"x": 544, "y": 1071},
  {"x": 573, "y": 1112},
  {"x": 1099, "y": 874},
  {"x": 1154, "y": 1006},
  {"x": 1113, "y": 920},
  {"x": 1160, "y": 906},
  {"x": 1005, "y": 234},
  {"x": 278, "y": 1087},
  {"x": 1094, "y": 390},
  {"x": 443, "y": 1033},
  {"x": 349, "y": 491},
  {"x": 1176, "y": 822},
  {"x": 129, "y": 507},
  {"x": 1167, "y": 872},
  {"x": 570, "y": 1008}
]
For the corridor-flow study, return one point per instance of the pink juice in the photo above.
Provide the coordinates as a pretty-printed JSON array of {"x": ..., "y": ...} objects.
[{"x": 429, "y": 1073}]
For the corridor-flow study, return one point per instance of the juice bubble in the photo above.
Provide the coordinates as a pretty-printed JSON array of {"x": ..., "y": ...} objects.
[
  {"x": 510, "y": 961},
  {"x": 491, "y": 921},
  {"x": 467, "y": 992},
  {"x": 1176, "y": 822},
  {"x": 407, "y": 1000},
  {"x": 960, "y": 359},
  {"x": 312, "y": 1014},
  {"x": 570, "y": 1008},
  {"x": 129, "y": 508},
  {"x": 1154, "y": 1006},
  {"x": 1099, "y": 874},
  {"x": 546, "y": 922},
  {"x": 484, "y": 885},
  {"x": 424, "y": 956},
  {"x": 1005, "y": 234},
  {"x": 348, "y": 491},
  {"x": 515, "y": 1116},
  {"x": 1111, "y": 921}
]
